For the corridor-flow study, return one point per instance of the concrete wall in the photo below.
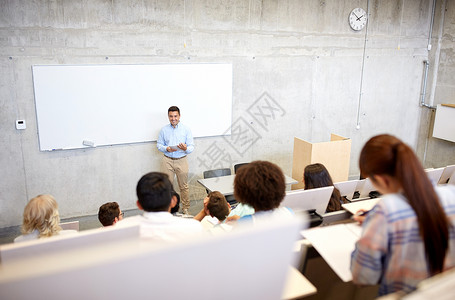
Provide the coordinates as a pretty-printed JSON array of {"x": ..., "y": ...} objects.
[
  {"x": 441, "y": 86},
  {"x": 299, "y": 70}
]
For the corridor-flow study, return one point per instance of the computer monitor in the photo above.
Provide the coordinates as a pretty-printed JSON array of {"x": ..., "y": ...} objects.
[
  {"x": 446, "y": 174},
  {"x": 317, "y": 199},
  {"x": 434, "y": 174},
  {"x": 60, "y": 243},
  {"x": 452, "y": 179},
  {"x": 365, "y": 187},
  {"x": 346, "y": 188}
]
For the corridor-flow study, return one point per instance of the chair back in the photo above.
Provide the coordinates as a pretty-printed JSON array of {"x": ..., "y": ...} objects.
[
  {"x": 73, "y": 225},
  {"x": 217, "y": 173},
  {"x": 238, "y": 166}
]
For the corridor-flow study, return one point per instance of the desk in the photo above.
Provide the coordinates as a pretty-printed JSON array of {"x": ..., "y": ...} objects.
[
  {"x": 225, "y": 184},
  {"x": 297, "y": 285},
  {"x": 344, "y": 236}
]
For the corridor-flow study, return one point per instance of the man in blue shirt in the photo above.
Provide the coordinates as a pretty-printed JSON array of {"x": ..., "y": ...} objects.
[{"x": 176, "y": 142}]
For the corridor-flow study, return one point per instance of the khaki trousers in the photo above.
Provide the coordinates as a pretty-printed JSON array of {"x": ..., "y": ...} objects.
[{"x": 179, "y": 168}]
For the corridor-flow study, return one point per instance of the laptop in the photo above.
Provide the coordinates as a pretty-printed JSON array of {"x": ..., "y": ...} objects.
[
  {"x": 446, "y": 174},
  {"x": 317, "y": 199},
  {"x": 346, "y": 188},
  {"x": 434, "y": 174},
  {"x": 452, "y": 179},
  {"x": 365, "y": 187}
]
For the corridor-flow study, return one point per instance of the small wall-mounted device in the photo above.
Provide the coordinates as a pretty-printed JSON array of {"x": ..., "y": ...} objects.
[{"x": 20, "y": 124}]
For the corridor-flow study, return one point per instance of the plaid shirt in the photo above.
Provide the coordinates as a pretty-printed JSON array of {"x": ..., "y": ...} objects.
[{"x": 390, "y": 251}]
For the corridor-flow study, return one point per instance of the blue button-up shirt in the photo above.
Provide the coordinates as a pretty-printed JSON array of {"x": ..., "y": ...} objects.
[{"x": 170, "y": 136}]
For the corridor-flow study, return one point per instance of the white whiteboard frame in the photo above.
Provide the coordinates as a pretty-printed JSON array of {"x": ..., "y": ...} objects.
[{"x": 121, "y": 104}]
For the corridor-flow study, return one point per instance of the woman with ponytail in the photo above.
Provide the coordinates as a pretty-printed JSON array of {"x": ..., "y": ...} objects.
[{"x": 409, "y": 235}]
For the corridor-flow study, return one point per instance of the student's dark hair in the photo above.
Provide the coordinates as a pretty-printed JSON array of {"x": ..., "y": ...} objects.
[
  {"x": 317, "y": 176},
  {"x": 260, "y": 184},
  {"x": 108, "y": 212},
  {"x": 387, "y": 155},
  {"x": 176, "y": 208},
  {"x": 217, "y": 205},
  {"x": 154, "y": 192},
  {"x": 173, "y": 108}
]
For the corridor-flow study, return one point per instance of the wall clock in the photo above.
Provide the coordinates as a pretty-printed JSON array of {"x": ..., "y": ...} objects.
[{"x": 358, "y": 18}]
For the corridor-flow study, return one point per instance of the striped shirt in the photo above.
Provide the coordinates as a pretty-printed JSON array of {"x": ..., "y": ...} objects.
[{"x": 390, "y": 251}]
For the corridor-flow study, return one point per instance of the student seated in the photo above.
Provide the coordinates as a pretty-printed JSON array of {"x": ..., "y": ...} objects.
[
  {"x": 410, "y": 234},
  {"x": 157, "y": 223},
  {"x": 317, "y": 176},
  {"x": 214, "y": 213},
  {"x": 109, "y": 213},
  {"x": 41, "y": 219},
  {"x": 240, "y": 210},
  {"x": 175, "y": 206},
  {"x": 175, "y": 203},
  {"x": 261, "y": 185}
]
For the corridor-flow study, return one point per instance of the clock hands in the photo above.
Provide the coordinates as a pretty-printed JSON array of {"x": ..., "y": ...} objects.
[{"x": 358, "y": 18}]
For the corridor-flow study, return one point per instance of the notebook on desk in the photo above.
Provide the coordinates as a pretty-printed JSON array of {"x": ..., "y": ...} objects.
[
  {"x": 338, "y": 257},
  {"x": 366, "y": 205},
  {"x": 317, "y": 199}
]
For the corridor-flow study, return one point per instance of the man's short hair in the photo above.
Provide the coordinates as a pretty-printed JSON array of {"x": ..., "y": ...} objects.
[
  {"x": 218, "y": 206},
  {"x": 154, "y": 192},
  {"x": 173, "y": 108},
  {"x": 260, "y": 184},
  {"x": 108, "y": 212}
]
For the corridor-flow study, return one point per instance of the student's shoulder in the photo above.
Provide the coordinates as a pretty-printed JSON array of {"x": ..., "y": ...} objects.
[
  {"x": 133, "y": 220},
  {"x": 27, "y": 237},
  {"x": 247, "y": 218},
  {"x": 392, "y": 202},
  {"x": 67, "y": 231},
  {"x": 446, "y": 194},
  {"x": 447, "y": 190}
]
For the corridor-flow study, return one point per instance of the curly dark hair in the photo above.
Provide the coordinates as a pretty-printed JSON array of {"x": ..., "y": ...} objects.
[{"x": 260, "y": 184}]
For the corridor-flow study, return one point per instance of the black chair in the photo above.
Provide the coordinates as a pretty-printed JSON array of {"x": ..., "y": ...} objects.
[
  {"x": 217, "y": 173},
  {"x": 238, "y": 166}
]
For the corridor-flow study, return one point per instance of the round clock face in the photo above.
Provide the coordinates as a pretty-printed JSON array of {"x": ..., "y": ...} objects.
[{"x": 358, "y": 18}]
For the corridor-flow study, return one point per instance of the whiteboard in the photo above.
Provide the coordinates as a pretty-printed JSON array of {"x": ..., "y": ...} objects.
[
  {"x": 444, "y": 126},
  {"x": 119, "y": 104}
]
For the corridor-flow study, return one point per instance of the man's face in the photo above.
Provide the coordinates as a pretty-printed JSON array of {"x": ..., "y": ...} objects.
[{"x": 174, "y": 117}]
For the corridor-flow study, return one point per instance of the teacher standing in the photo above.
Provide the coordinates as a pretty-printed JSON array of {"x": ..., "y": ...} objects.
[{"x": 176, "y": 142}]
